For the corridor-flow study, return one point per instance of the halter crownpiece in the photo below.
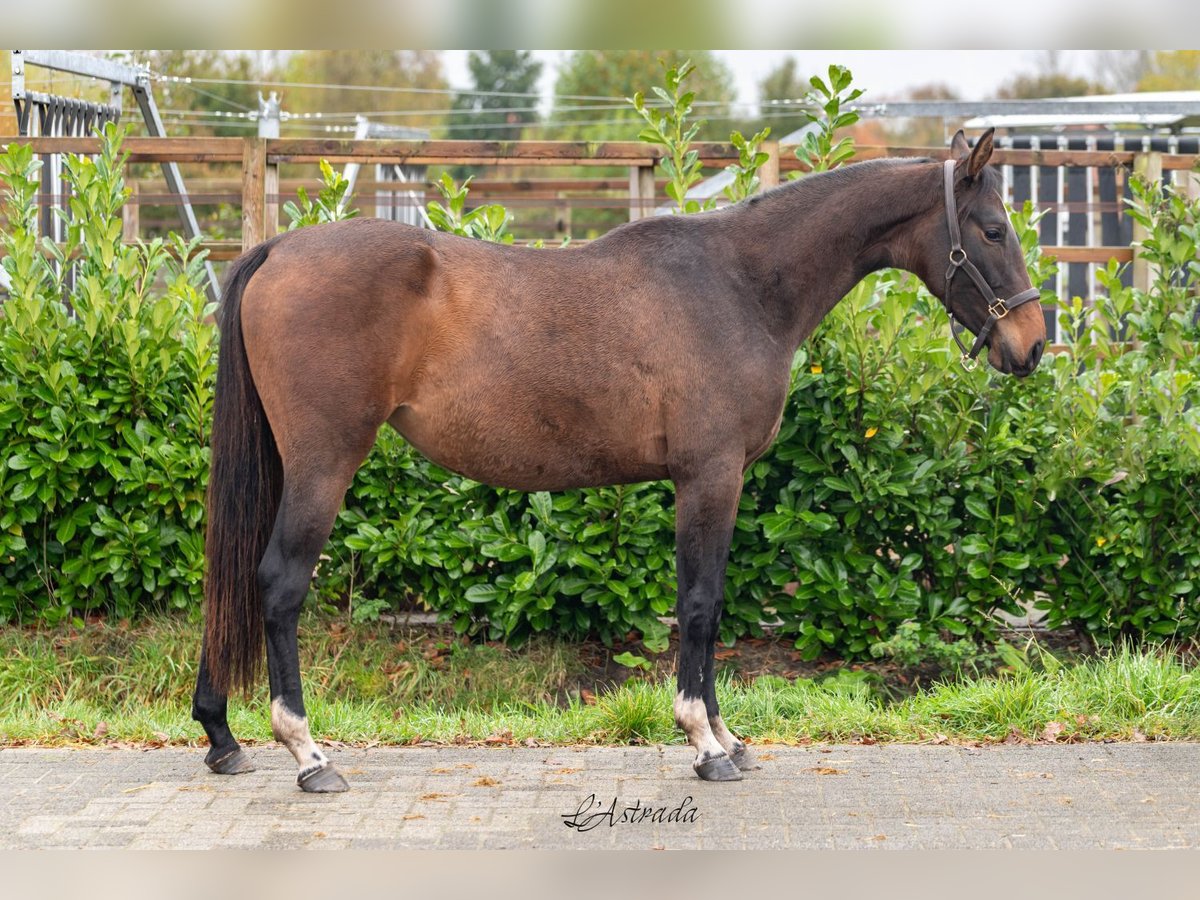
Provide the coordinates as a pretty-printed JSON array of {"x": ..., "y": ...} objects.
[{"x": 997, "y": 308}]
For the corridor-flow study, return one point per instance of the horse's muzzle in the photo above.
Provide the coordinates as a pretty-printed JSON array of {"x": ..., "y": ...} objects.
[{"x": 1014, "y": 364}]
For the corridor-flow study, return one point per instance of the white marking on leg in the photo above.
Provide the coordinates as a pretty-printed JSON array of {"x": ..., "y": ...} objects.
[
  {"x": 291, "y": 730},
  {"x": 725, "y": 737},
  {"x": 692, "y": 717}
]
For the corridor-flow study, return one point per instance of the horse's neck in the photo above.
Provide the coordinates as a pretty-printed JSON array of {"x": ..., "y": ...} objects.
[{"x": 814, "y": 241}]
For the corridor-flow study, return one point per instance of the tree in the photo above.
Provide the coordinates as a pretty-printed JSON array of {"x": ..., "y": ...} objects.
[
  {"x": 1121, "y": 70},
  {"x": 1046, "y": 84},
  {"x": 498, "y": 117},
  {"x": 345, "y": 70},
  {"x": 781, "y": 83},
  {"x": 1172, "y": 70},
  {"x": 613, "y": 75},
  {"x": 198, "y": 108},
  {"x": 925, "y": 131}
]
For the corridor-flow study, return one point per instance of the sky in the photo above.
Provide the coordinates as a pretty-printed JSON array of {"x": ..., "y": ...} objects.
[{"x": 975, "y": 74}]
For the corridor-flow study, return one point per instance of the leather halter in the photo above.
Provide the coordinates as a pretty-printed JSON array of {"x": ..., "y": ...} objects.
[{"x": 997, "y": 308}]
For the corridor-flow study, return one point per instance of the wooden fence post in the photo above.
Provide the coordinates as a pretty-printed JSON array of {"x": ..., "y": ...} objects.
[
  {"x": 270, "y": 199},
  {"x": 562, "y": 217},
  {"x": 254, "y": 184},
  {"x": 768, "y": 175},
  {"x": 1149, "y": 167},
  {"x": 641, "y": 191}
]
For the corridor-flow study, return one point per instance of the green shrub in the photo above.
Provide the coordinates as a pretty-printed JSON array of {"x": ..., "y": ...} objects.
[
  {"x": 105, "y": 403},
  {"x": 573, "y": 563},
  {"x": 1121, "y": 471}
]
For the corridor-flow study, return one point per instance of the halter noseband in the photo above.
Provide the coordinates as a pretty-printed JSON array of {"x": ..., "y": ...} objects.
[{"x": 997, "y": 308}]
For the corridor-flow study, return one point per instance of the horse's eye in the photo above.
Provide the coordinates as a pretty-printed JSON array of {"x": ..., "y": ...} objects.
[{"x": 994, "y": 234}]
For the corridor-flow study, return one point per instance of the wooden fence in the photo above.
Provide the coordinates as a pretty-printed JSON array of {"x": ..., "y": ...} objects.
[{"x": 1077, "y": 184}]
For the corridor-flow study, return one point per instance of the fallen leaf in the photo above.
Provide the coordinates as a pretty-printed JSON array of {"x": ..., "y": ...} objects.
[
  {"x": 485, "y": 781},
  {"x": 939, "y": 739},
  {"x": 499, "y": 737},
  {"x": 827, "y": 770},
  {"x": 412, "y": 816},
  {"x": 766, "y": 757},
  {"x": 879, "y": 837},
  {"x": 1051, "y": 732},
  {"x": 564, "y": 771},
  {"x": 434, "y": 796},
  {"x": 101, "y": 730},
  {"x": 162, "y": 736},
  {"x": 588, "y": 698},
  {"x": 1138, "y": 737}
]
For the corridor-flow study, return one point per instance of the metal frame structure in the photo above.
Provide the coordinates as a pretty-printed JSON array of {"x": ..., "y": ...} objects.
[
  {"x": 119, "y": 76},
  {"x": 366, "y": 128}
]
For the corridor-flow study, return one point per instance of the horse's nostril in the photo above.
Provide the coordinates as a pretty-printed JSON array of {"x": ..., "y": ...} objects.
[{"x": 1035, "y": 353}]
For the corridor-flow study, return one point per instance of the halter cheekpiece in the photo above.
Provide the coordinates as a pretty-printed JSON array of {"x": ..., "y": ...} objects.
[{"x": 997, "y": 308}]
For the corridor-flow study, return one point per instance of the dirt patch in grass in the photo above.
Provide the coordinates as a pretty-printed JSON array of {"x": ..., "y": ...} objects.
[{"x": 754, "y": 657}]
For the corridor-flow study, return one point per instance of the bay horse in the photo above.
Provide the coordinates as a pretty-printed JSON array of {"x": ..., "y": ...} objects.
[{"x": 661, "y": 350}]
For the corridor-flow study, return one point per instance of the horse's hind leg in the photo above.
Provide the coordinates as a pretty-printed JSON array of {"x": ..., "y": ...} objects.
[
  {"x": 705, "y": 508},
  {"x": 209, "y": 708},
  {"x": 306, "y": 514}
]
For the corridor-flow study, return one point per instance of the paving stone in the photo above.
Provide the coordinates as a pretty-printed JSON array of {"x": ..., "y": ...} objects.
[{"x": 1104, "y": 795}]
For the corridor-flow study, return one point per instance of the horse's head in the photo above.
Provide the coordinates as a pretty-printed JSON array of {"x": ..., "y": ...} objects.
[{"x": 975, "y": 264}]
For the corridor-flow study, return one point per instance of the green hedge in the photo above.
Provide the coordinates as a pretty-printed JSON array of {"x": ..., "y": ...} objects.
[
  {"x": 105, "y": 400},
  {"x": 902, "y": 490}
]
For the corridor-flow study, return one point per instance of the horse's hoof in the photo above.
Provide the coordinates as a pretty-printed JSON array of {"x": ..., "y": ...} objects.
[
  {"x": 324, "y": 780},
  {"x": 718, "y": 768},
  {"x": 234, "y": 762},
  {"x": 744, "y": 760}
]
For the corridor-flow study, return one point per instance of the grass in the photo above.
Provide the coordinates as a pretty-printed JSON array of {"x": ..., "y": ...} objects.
[{"x": 111, "y": 684}]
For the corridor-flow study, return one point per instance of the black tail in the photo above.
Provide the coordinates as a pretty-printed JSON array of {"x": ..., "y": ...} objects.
[{"x": 243, "y": 498}]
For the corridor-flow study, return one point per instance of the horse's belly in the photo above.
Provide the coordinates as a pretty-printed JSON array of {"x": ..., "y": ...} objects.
[{"x": 531, "y": 449}]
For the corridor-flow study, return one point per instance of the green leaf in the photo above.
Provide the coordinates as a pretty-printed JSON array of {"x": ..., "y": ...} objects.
[
  {"x": 482, "y": 593},
  {"x": 630, "y": 660},
  {"x": 542, "y": 506},
  {"x": 978, "y": 507}
]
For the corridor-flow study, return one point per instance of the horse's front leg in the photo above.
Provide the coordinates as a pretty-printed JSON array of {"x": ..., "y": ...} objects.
[{"x": 706, "y": 503}]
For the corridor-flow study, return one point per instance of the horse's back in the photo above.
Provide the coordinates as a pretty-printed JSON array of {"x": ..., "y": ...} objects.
[{"x": 520, "y": 367}]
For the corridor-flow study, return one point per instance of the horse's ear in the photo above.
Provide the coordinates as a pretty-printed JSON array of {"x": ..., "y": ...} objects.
[
  {"x": 959, "y": 146},
  {"x": 982, "y": 153}
]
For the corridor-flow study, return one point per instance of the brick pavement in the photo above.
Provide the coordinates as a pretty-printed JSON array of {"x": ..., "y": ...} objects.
[{"x": 1073, "y": 796}]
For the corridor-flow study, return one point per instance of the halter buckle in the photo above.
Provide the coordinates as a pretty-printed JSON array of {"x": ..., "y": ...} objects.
[
  {"x": 998, "y": 309},
  {"x": 960, "y": 259},
  {"x": 968, "y": 362}
]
